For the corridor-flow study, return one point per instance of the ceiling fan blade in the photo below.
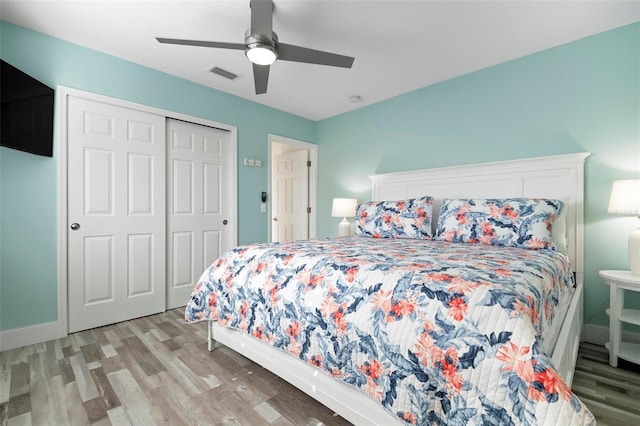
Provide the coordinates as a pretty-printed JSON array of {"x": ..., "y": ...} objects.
[
  {"x": 262, "y": 18},
  {"x": 221, "y": 45},
  {"x": 260, "y": 78},
  {"x": 289, "y": 52}
]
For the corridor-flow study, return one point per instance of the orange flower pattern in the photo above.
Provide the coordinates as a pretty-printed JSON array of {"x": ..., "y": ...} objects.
[
  {"x": 512, "y": 222},
  {"x": 409, "y": 218},
  {"x": 412, "y": 323}
]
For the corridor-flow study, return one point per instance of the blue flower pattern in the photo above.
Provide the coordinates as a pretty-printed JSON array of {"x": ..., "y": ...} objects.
[
  {"x": 511, "y": 222},
  {"x": 429, "y": 335},
  {"x": 410, "y": 218}
]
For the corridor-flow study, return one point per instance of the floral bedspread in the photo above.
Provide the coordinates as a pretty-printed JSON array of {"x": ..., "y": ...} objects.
[{"x": 436, "y": 332}]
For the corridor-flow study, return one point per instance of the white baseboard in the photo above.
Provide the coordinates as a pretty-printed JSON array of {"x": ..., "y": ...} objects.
[
  {"x": 599, "y": 335},
  {"x": 19, "y": 337}
]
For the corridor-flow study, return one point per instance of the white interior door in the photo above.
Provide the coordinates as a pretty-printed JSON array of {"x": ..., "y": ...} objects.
[
  {"x": 290, "y": 198},
  {"x": 200, "y": 176},
  {"x": 116, "y": 213}
]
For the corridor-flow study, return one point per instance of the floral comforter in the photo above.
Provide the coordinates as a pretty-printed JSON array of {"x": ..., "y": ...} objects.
[{"x": 437, "y": 333}]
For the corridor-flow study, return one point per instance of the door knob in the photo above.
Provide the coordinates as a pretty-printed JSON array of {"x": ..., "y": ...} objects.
[
  {"x": 224, "y": 222},
  {"x": 75, "y": 226},
  {"x": 275, "y": 219}
]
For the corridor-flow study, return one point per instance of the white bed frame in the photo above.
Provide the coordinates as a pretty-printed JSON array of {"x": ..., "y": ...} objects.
[{"x": 558, "y": 177}]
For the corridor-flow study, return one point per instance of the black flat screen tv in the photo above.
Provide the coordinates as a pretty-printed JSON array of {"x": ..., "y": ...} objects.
[{"x": 26, "y": 122}]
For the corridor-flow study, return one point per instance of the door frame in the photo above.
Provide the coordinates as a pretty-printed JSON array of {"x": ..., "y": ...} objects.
[
  {"x": 313, "y": 178},
  {"x": 63, "y": 93}
]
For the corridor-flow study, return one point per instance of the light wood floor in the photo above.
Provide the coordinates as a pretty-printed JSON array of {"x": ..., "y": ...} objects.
[{"x": 157, "y": 370}]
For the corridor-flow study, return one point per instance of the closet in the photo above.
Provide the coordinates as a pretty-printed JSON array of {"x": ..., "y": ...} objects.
[{"x": 150, "y": 204}]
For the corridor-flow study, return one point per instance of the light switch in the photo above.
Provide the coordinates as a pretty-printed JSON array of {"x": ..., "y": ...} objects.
[{"x": 263, "y": 207}]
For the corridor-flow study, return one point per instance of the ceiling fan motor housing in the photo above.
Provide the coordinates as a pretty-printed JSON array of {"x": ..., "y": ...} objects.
[{"x": 260, "y": 41}]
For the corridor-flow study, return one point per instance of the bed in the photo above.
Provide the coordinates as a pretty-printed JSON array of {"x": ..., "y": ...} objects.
[{"x": 403, "y": 330}]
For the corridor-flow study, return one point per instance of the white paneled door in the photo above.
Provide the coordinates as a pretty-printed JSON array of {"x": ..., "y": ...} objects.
[
  {"x": 116, "y": 213},
  {"x": 199, "y": 180},
  {"x": 290, "y": 198}
]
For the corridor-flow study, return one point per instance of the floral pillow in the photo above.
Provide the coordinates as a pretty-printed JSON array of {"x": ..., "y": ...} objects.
[
  {"x": 395, "y": 219},
  {"x": 513, "y": 222}
]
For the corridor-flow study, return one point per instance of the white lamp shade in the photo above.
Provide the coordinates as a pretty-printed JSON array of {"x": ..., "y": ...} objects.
[
  {"x": 344, "y": 207},
  {"x": 625, "y": 197}
]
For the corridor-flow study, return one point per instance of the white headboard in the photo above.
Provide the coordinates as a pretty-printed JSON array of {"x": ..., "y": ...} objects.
[{"x": 559, "y": 176}]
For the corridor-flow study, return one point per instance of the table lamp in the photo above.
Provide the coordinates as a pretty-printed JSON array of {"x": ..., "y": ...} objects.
[
  {"x": 625, "y": 199},
  {"x": 344, "y": 208}
]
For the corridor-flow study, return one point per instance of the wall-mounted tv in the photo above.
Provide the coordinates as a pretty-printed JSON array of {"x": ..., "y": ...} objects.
[{"x": 26, "y": 122}]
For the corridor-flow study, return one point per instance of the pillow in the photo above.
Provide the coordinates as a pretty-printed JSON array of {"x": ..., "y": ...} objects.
[
  {"x": 395, "y": 219},
  {"x": 559, "y": 230},
  {"x": 512, "y": 222}
]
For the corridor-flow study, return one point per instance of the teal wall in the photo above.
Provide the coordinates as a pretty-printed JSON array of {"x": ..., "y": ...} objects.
[
  {"x": 583, "y": 96},
  {"x": 28, "y": 274}
]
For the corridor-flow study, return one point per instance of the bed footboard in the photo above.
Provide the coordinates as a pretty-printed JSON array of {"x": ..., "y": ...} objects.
[
  {"x": 356, "y": 407},
  {"x": 359, "y": 408}
]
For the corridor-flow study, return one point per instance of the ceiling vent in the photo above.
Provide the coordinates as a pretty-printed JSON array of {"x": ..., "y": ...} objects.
[{"x": 223, "y": 73}]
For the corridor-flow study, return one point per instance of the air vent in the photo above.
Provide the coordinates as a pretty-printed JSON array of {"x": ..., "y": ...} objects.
[{"x": 223, "y": 73}]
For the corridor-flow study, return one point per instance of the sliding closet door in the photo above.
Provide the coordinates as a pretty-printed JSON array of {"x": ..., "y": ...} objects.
[
  {"x": 200, "y": 184},
  {"x": 116, "y": 213}
]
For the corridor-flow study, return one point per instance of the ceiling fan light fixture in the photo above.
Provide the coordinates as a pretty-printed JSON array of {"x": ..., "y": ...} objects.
[{"x": 261, "y": 54}]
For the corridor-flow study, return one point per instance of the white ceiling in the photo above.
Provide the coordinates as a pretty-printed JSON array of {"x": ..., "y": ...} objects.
[{"x": 399, "y": 46}]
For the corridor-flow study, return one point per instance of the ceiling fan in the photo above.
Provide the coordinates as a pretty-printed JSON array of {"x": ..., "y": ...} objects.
[{"x": 262, "y": 48}]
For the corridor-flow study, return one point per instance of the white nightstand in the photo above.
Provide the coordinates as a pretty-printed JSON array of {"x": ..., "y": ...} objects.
[{"x": 619, "y": 281}]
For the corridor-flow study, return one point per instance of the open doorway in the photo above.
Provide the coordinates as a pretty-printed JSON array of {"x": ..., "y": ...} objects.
[{"x": 293, "y": 189}]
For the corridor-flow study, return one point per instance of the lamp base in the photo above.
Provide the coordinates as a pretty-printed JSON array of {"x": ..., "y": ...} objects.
[
  {"x": 344, "y": 228},
  {"x": 634, "y": 252}
]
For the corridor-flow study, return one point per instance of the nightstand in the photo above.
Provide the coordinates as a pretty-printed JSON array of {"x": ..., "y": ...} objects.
[{"x": 619, "y": 281}]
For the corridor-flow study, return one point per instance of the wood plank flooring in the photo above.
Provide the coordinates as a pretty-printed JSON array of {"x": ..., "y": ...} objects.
[
  {"x": 612, "y": 394},
  {"x": 156, "y": 370}
]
